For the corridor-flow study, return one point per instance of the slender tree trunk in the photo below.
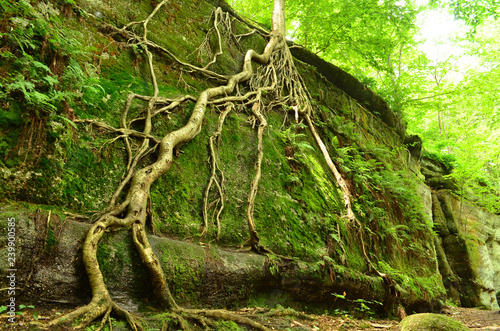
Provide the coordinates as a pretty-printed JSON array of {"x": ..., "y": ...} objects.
[{"x": 279, "y": 18}]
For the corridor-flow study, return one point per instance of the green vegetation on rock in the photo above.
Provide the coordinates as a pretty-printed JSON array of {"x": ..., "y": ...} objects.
[{"x": 431, "y": 322}]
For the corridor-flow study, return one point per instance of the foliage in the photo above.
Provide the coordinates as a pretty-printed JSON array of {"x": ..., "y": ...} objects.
[
  {"x": 227, "y": 325},
  {"x": 33, "y": 45},
  {"x": 474, "y": 13},
  {"x": 371, "y": 39},
  {"x": 361, "y": 305},
  {"x": 40, "y": 80},
  {"x": 450, "y": 102}
]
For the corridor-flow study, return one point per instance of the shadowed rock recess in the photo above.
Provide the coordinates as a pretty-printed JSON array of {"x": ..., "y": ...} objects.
[{"x": 59, "y": 169}]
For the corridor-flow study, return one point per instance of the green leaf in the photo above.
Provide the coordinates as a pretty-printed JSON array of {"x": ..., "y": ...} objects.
[{"x": 67, "y": 120}]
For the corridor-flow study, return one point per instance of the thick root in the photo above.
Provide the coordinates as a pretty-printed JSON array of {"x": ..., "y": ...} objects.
[
  {"x": 150, "y": 260},
  {"x": 96, "y": 308},
  {"x": 132, "y": 212},
  {"x": 254, "y": 239}
]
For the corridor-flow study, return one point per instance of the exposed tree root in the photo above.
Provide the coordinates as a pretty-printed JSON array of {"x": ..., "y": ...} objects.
[
  {"x": 338, "y": 177},
  {"x": 281, "y": 76},
  {"x": 205, "y": 318},
  {"x": 214, "y": 178},
  {"x": 101, "y": 303},
  {"x": 204, "y": 49},
  {"x": 291, "y": 90},
  {"x": 350, "y": 214},
  {"x": 132, "y": 212},
  {"x": 347, "y": 202},
  {"x": 253, "y": 241}
]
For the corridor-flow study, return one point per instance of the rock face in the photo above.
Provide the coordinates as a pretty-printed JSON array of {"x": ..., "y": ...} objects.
[
  {"x": 435, "y": 173},
  {"x": 199, "y": 275},
  {"x": 470, "y": 238},
  {"x": 467, "y": 242},
  {"x": 299, "y": 208},
  {"x": 431, "y": 322}
]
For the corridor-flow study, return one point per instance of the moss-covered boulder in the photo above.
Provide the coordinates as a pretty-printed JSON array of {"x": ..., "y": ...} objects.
[{"x": 431, "y": 322}]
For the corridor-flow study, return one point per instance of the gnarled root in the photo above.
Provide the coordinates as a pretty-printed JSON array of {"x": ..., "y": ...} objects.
[
  {"x": 99, "y": 306},
  {"x": 150, "y": 260},
  {"x": 101, "y": 303}
]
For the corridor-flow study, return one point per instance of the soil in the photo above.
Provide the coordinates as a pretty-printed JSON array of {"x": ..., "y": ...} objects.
[{"x": 475, "y": 319}]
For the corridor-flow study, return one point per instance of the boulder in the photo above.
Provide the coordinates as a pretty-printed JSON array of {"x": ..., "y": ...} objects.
[{"x": 431, "y": 322}]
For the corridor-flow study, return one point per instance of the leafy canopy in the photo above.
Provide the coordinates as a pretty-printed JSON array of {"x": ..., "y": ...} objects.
[{"x": 451, "y": 102}]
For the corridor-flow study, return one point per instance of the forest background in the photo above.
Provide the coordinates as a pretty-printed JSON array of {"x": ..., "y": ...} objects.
[{"x": 435, "y": 62}]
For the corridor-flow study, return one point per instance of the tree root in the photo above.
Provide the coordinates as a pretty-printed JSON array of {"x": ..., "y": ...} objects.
[
  {"x": 254, "y": 240},
  {"x": 291, "y": 90},
  {"x": 338, "y": 177},
  {"x": 204, "y": 48},
  {"x": 350, "y": 214},
  {"x": 101, "y": 303},
  {"x": 132, "y": 212},
  {"x": 206, "y": 318},
  {"x": 347, "y": 201},
  {"x": 96, "y": 308},
  {"x": 153, "y": 265},
  {"x": 214, "y": 178},
  {"x": 209, "y": 314}
]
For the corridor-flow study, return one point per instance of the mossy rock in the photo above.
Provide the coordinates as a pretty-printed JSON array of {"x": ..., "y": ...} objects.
[{"x": 431, "y": 322}]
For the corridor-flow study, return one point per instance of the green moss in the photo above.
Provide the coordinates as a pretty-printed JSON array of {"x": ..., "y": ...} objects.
[
  {"x": 185, "y": 275},
  {"x": 431, "y": 322},
  {"x": 228, "y": 326},
  {"x": 416, "y": 288},
  {"x": 298, "y": 207},
  {"x": 50, "y": 240},
  {"x": 116, "y": 256}
]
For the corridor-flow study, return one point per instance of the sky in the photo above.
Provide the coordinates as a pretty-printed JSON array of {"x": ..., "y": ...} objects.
[{"x": 438, "y": 29}]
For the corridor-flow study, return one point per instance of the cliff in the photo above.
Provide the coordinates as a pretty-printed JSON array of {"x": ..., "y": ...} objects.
[{"x": 59, "y": 169}]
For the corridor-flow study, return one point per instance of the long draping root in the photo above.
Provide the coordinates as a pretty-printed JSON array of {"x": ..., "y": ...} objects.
[
  {"x": 340, "y": 180},
  {"x": 292, "y": 86},
  {"x": 216, "y": 179},
  {"x": 254, "y": 240},
  {"x": 391, "y": 288},
  {"x": 132, "y": 212}
]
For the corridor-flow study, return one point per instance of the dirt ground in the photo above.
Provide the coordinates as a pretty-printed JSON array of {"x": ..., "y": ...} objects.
[{"x": 475, "y": 319}]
